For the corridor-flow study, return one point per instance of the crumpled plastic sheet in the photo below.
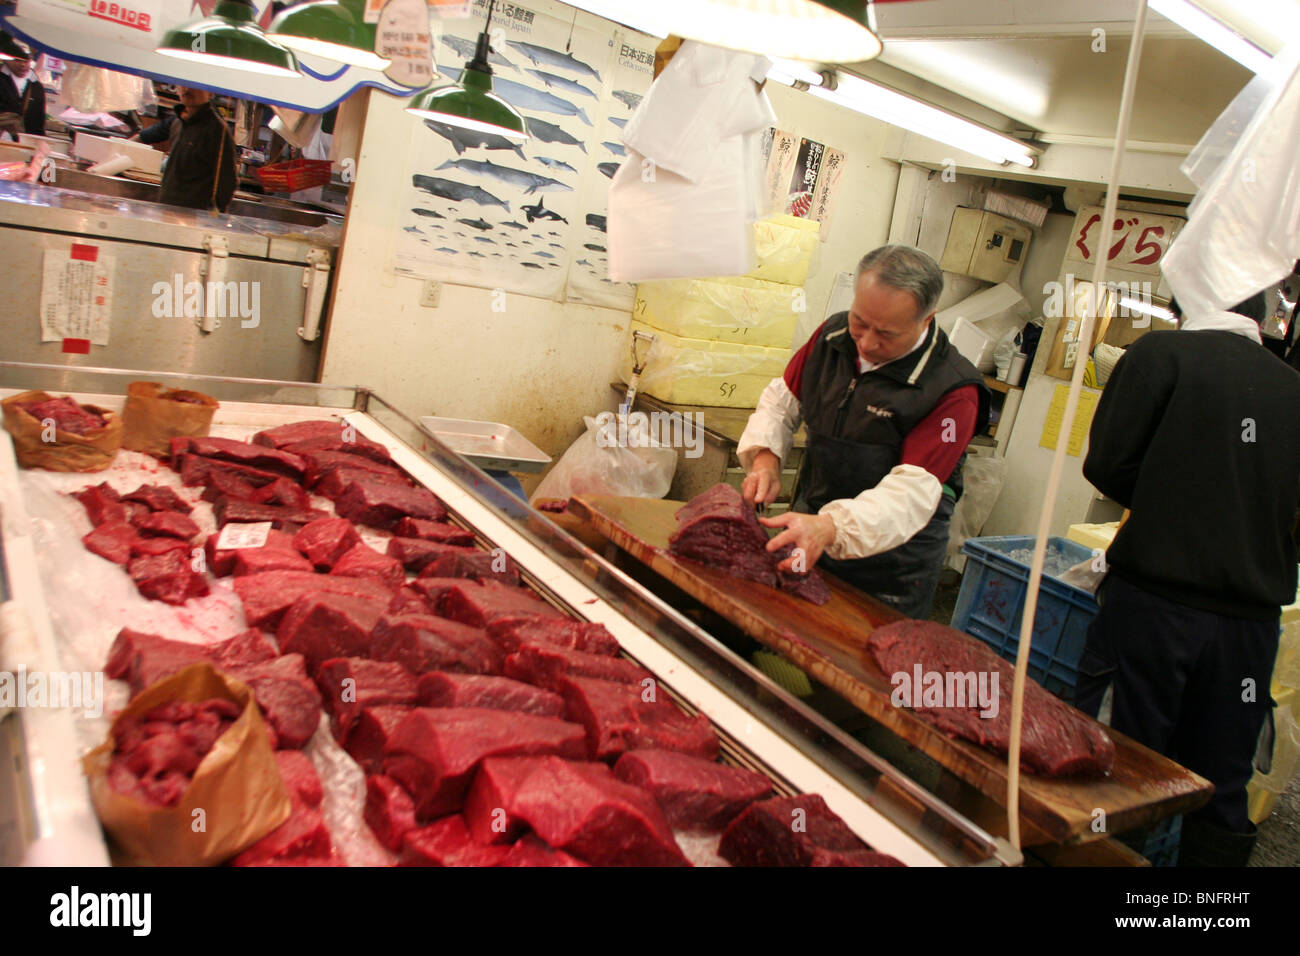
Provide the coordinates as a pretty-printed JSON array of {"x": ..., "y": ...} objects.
[
  {"x": 595, "y": 464},
  {"x": 689, "y": 371},
  {"x": 745, "y": 311},
  {"x": 982, "y": 480}
]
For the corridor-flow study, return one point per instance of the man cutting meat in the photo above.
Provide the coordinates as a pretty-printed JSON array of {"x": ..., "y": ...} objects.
[{"x": 890, "y": 407}]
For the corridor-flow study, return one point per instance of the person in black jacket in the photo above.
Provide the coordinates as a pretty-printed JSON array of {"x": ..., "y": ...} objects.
[
  {"x": 200, "y": 170},
  {"x": 1197, "y": 434},
  {"x": 21, "y": 94}
]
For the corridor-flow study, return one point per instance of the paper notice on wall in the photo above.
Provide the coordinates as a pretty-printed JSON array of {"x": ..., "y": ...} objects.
[
  {"x": 76, "y": 295},
  {"x": 778, "y": 152},
  {"x": 1056, "y": 415},
  {"x": 403, "y": 36},
  {"x": 828, "y": 185},
  {"x": 803, "y": 182}
]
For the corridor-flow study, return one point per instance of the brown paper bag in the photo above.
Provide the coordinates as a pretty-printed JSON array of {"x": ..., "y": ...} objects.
[
  {"x": 153, "y": 415},
  {"x": 93, "y": 451},
  {"x": 237, "y": 786}
]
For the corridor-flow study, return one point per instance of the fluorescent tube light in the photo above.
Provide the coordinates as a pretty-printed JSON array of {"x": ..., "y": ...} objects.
[{"x": 1214, "y": 32}]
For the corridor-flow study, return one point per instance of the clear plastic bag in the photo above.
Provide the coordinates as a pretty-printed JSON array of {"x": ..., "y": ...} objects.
[
  {"x": 982, "y": 480},
  {"x": 689, "y": 371},
  {"x": 611, "y": 457}
]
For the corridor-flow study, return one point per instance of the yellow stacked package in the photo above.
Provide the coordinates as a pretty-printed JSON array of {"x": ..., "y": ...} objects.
[
  {"x": 784, "y": 246},
  {"x": 690, "y": 371},
  {"x": 741, "y": 310}
]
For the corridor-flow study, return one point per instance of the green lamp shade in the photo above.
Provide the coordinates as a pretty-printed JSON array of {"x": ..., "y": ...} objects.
[
  {"x": 335, "y": 29},
  {"x": 10, "y": 50},
  {"x": 470, "y": 104},
  {"x": 230, "y": 38}
]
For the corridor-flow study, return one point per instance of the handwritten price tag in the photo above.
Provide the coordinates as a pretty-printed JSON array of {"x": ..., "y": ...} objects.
[{"x": 243, "y": 536}]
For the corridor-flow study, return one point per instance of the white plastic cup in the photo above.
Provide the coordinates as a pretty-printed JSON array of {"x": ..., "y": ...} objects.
[{"x": 1017, "y": 368}]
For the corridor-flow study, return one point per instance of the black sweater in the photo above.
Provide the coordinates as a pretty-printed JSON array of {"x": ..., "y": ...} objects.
[
  {"x": 203, "y": 148},
  {"x": 1198, "y": 433}
]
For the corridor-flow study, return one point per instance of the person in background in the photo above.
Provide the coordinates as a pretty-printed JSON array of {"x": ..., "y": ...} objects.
[
  {"x": 890, "y": 407},
  {"x": 162, "y": 132},
  {"x": 1196, "y": 433},
  {"x": 22, "y": 96},
  {"x": 200, "y": 171}
]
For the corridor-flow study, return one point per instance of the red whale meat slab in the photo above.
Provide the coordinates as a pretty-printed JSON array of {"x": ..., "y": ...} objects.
[
  {"x": 102, "y": 503},
  {"x": 511, "y": 632},
  {"x": 423, "y": 642},
  {"x": 287, "y": 698},
  {"x": 221, "y": 563},
  {"x": 382, "y": 505},
  {"x": 132, "y": 649},
  {"x": 167, "y": 577},
  {"x": 447, "y": 843},
  {"x": 369, "y": 737},
  {"x": 218, "y": 484},
  {"x": 247, "y": 512},
  {"x": 489, "y": 804},
  {"x": 544, "y": 665},
  {"x": 321, "y": 430},
  {"x": 766, "y": 835},
  {"x": 415, "y": 553},
  {"x": 433, "y": 590},
  {"x": 584, "y": 810},
  {"x": 111, "y": 540},
  {"x": 326, "y": 540},
  {"x": 196, "y": 470},
  {"x": 360, "y": 446},
  {"x": 439, "y": 531},
  {"x": 321, "y": 626},
  {"x": 300, "y": 777},
  {"x": 445, "y": 689},
  {"x": 388, "y": 812},
  {"x": 693, "y": 793},
  {"x": 718, "y": 529},
  {"x": 617, "y": 719},
  {"x": 155, "y": 754},
  {"x": 434, "y": 752},
  {"x": 364, "y": 561},
  {"x": 67, "y": 415},
  {"x": 159, "y": 498},
  {"x": 301, "y": 839},
  {"x": 152, "y": 547},
  {"x": 349, "y": 685},
  {"x": 169, "y": 523},
  {"x": 338, "y": 476},
  {"x": 531, "y": 851},
  {"x": 454, "y": 562},
  {"x": 241, "y": 453},
  {"x": 267, "y": 596},
  {"x": 321, "y": 463},
  {"x": 478, "y": 604},
  {"x": 282, "y": 492},
  {"x": 1056, "y": 740},
  {"x": 260, "y": 560},
  {"x": 408, "y": 600}
]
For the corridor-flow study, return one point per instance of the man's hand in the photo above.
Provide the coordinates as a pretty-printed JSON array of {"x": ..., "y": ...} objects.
[
  {"x": 763, "y": 483},
  {"x": 809, "y": 534}
]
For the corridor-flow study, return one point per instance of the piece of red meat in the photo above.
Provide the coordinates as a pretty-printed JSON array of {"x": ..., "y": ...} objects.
[
  {"x": 153, "y": 565},
  {"x": 693, "y": 793},
  {"x": 173, "y": 524},
  {"x": 544, "y": 664},
  {"x": 415, "y": 553},
  {"x": 617, "y": 718},
  {"x": 197, "y": 470},
  {"x": 440, "y": 531},
  {"x": 453, "y": 562},
  {"x": 408, "y": 600},
  {"x": 717, "y": 529},
  {"x": 360, "y": 446},
  {"x": 364, "y": 561},
  {"x": 174, "y": 587},
  {"x": 490, "y": 800},
  {"x": 434, "y": 752},
  {"x": 159, "y": 498},
  {"x": 152, "y": 547},
  {"x": 242, "y": 453},
  {"x": 478, "y": 604},
  {"x": 432, "y": 590},
  {"x": 381, "y": 505},
  {"x": 245, "y": 648},
  {"x": 321, "y": 626},
  {"x": 288, "y": 700},
  {"x": 792, "y": 831},
  {"x": 350, "y": 685},
  {"x": 446, "y": 689},
  {"x": 303, "y": 836},
  {"x": 584, "y": 810},
  {"x": 260, "y": 560},
  {"x": 222, "y": 563},
  {"x": 143, "y": 658},
  {"x": 66, "y": 414},
  {"x": 531, "y": 851},
  {"x": 335, "y": 477},
  {"x": 511, "y": 632},
  {"x": 283, "y": 492},
  {"x": 424, "y": 642},
  {"x": 155, "y": 754},
  {"x": 300, "y": 777},
  {"x": 447, "y": 843},
  {"x": 389, "y": 811},
  {"x": 321, "y": 430},
  {"x": 284, "y": 519},
  {"x": 321, "y": 463},
  {"x": 369, "y": 736},
  {"x": 326, "y": 540},
  {"x": 111, "y": 540},
  {"x": 1056, "y": 739},
  {"x": 102, "y": 503},
  {"x": 219, "y": 484},
  {"x": 267, "y": 596}
]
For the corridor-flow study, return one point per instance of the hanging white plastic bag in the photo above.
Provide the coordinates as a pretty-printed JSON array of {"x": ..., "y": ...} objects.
[
  {"x": 612, "y": 457},
  {"x": 982, "y": 480}
]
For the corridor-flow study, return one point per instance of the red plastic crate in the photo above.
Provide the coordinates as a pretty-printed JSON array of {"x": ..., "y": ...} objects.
[{"x": 296, "y": 174}]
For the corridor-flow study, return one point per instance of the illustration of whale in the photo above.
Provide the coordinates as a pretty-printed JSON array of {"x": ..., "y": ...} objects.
[
  {"x": 512, "y": 225},
  {"x": 615, "y": 148},
  {"x": 608, "y": 169},
  {"x": 554, "y": 163},
  {"x": 454, "y": 252},
  {"x": 526, "y": 97},
  {"x": 456, "y": 192},
  {"x": 628, "y": 98},
  {"x": 428, "y": 212},
  {"x": 480, "y": 224},
  {"x": 550, "y": 133},
  {"x": 465, "y": 48},
  {"x": 595, "y": 221},
  {"x": 620, "y": 123},
  {"x": 564, "y": 83},
  {"x": 541, "y": 212},
  {"x": 593, "y": 247},
  {"x": 544, "y": 56},
  {"x": 463, "y": 139},
  {"x": 520, "y": 178},
  {"x": 530, "y": 265}
]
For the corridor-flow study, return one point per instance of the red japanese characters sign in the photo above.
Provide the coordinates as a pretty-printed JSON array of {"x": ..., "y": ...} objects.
[{"x": 1138, "y": 243}]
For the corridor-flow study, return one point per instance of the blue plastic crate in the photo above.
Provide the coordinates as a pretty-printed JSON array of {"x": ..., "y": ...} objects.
[
  {"x": 1161, "y": 846},
  {"x": 992, "y": 601}
]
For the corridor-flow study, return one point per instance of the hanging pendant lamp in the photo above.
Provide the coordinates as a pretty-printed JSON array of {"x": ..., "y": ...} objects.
[
  {"x": 10, "y": 50},
  {"x": 230, "y": 38},
  {"x": 335, "y": 29},
  {"x": 471, "y": 104}
]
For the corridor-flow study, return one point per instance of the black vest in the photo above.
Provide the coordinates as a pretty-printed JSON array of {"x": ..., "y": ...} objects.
[{"x": 857, "y": 421}]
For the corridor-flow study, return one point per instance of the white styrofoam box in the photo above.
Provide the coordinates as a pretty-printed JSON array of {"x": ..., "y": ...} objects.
[
  {"x": 98, "y": 149},
  {"x": 686, "y": 371},
  {"x": 971, "y": 342},
  {"x": 745, "y": 311}
]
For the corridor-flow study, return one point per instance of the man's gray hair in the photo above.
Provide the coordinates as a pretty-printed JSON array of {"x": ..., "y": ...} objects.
[{"x": 907, "y": 269}]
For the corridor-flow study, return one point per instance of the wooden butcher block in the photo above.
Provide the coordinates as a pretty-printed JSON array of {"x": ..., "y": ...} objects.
[{"x": 829, "y": 643}]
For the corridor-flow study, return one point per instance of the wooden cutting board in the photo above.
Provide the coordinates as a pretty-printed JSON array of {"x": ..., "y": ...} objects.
[{"x": 829, "y": 643}]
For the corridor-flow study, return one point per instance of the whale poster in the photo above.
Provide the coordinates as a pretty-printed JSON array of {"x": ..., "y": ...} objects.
[{"x": 479, "y": 209}]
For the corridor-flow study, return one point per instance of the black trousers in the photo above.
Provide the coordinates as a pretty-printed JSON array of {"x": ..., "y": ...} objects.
[{"x": 1182, "y": 681}]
